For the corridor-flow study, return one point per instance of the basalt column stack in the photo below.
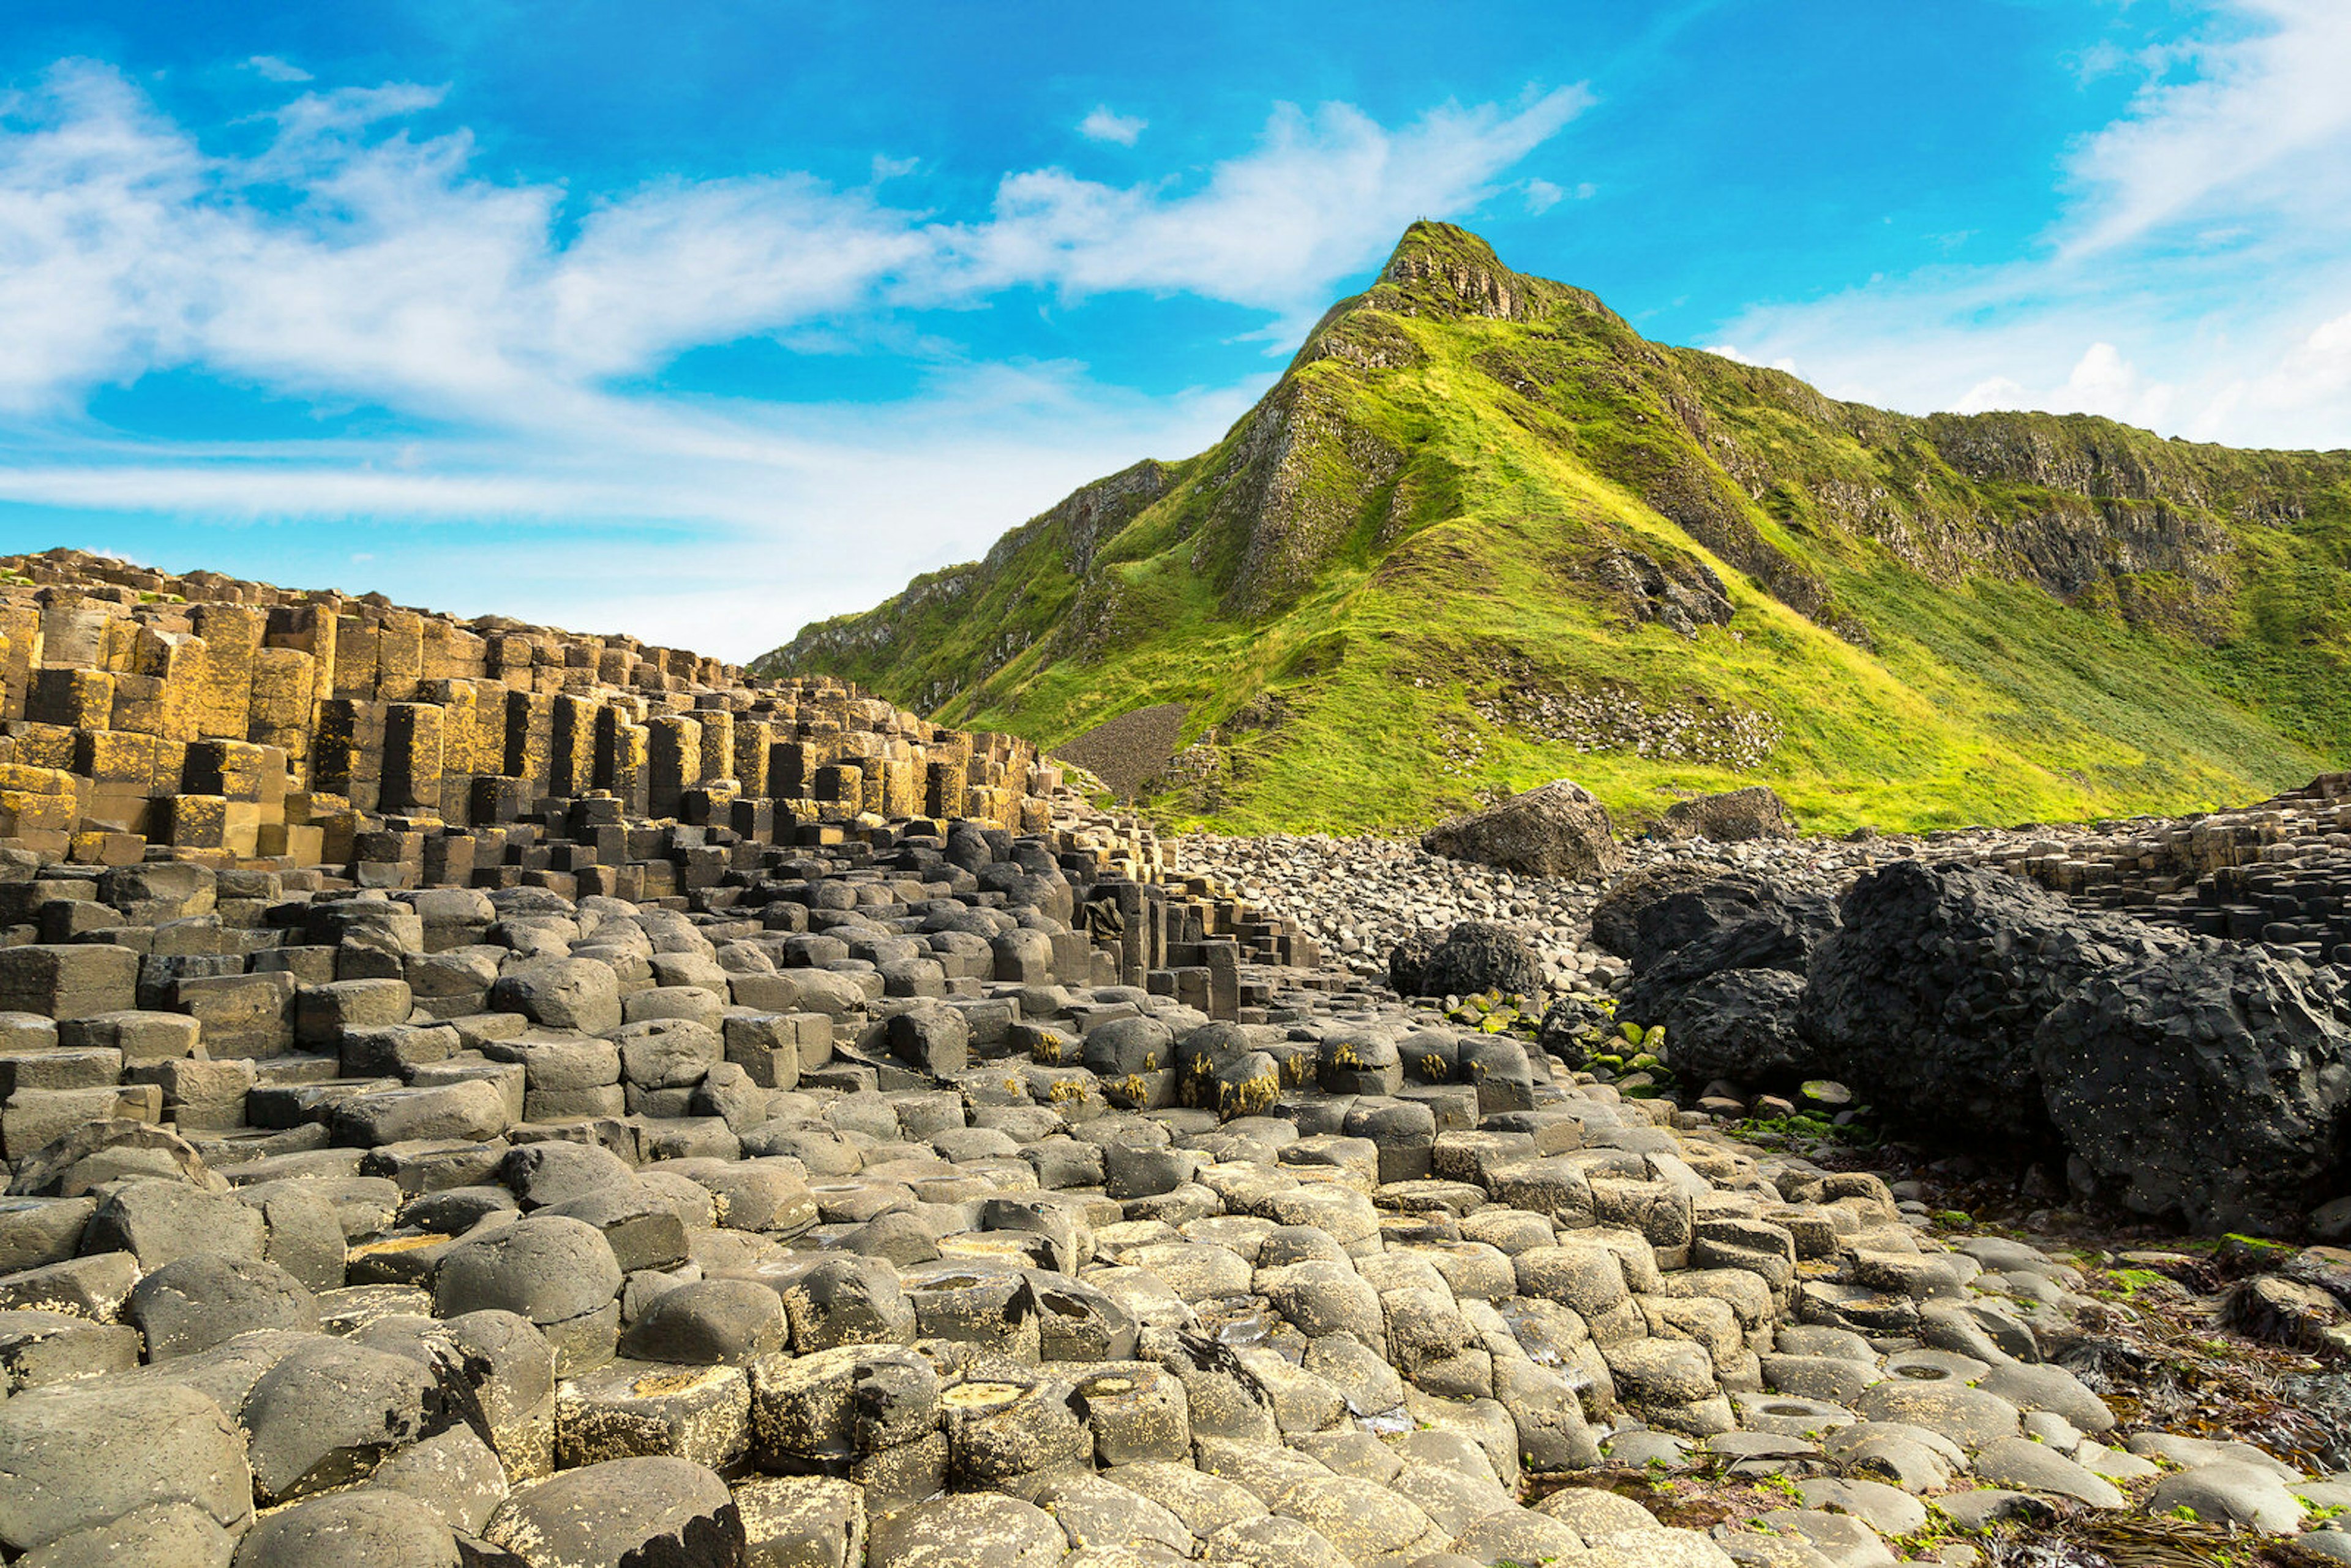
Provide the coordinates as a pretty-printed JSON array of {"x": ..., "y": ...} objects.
[{"x": 145, "y": 715}]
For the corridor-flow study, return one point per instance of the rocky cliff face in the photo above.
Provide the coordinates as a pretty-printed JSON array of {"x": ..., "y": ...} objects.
[{"x": 1478, "y": 493}]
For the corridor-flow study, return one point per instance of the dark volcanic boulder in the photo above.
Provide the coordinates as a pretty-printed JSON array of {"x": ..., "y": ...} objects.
[
  {"x": 1475, "y": 957},
  {"x": 1556, "y": 830},
  {"x": 2207, "y": 1085},
  {"x": 1408, "y": 963},
  {"x": 1739, "y": 1024},
  {"x": 1572, "y": 1029},
  {"x": 1786, "y": 926},
  {"x": 1662, "y": 909},
  {"x": 1754, "y": 812},
  {"x": 1721, "y": 963},
  {"x": 1927, "y": 998}
]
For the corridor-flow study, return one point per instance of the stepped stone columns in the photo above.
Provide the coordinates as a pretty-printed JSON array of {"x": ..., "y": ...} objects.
[{"x": 144, "y": 715}]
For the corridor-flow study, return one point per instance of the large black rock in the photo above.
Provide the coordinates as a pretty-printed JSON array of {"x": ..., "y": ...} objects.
[
  {"x": 1473, "y": 958},
  {"x": 1556, "y": 830},
  {"x": 1721, "y": 961},
  {"x": 2207, "y": 1086},
  {"x": 1658, "y": 911},
  {"x": 1927, "y": 997},
  {"x": 1780, "y": 934},
  {"x": 1739, "y": 1024},
  {"x": 1408, "y": 963}
]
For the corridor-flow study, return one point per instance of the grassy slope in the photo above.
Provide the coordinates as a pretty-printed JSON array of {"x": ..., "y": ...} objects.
[{"x": 1528, "y": 447}]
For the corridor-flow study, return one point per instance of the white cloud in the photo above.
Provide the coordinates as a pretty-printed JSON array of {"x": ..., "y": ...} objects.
[
  {"x": 1733, "y": 352},
  {"x": 1102, "y": 125},
  {"x": 269, "y": 68},
  {"x": 1323, "y": 191},
  {"x": 720, "y": 528},
  {"x": 2263, "y": 119},
  {"x": 1998, "y": 393},
  {"x": 354, "y": 261},
  {"x": 1541, "y": 195},
  {"x": 344, "y": 260},
  {"x": 2199, "y": 282}
]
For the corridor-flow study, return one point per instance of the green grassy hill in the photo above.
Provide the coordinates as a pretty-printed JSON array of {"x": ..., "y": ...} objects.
[{"x": 1482, "y": 535}]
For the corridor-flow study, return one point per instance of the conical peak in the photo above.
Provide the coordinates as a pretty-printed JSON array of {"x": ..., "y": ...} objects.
[
  {"x": 1425, "y": 243},
  {"x": 1445, "y": 270}
]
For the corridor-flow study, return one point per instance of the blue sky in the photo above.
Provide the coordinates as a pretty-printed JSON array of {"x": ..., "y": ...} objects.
[{"x": 701, "y": 321}]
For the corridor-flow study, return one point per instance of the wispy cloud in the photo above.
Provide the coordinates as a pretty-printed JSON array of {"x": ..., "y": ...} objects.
[
  {"x": 2198, "y": 282},
  {"x": 357, "y": 259},
  {"x": 2260, "y": 121},
  {"x": 269, "y": 68},
  {"x": 343, "y": 258},
  {"x": 1102, "y": 125},
  {"x": 1323, "y": 191}
]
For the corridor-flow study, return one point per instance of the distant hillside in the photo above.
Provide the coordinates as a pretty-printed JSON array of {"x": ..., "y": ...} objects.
[{"x": 1483, "y": 534}]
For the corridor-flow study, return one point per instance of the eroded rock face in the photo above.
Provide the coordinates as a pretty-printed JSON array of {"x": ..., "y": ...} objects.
[
  {"x": 1559, "y": 830},
  {"x": 1684, "y": 595}
]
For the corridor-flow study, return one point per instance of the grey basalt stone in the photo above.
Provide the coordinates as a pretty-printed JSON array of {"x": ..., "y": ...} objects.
[
  {"x": 2228, "y": 1492},
  {"x": 2028, "y": 1466},
  {"x": 669, "y": 1052},
  {"x": 1271, "y": 1541},
  {"x": 1966, "y": 1416},
  {"x": 802, "y": 1522},
  {"x": 195, "y": 1302},
  {"x": 75, "y": 1457},
  {"x": 329, "y": 1412},
  {"x": 472, "y": 1111},
  {"x": 381, "y": 1529},
  {"x": 164, "y": 1535},
  {"x": 40, "y": 1348},
  {"x": 974, "y": 1527},
  {"x": 557, "y": 1172},
  {"x": 158, "y": 1222},
  {"x": 455, "y": 1472},
  {"x": 36, "y": 1231},
  {"x": 628, "y": 1409},
  {"x": 711, "y": 1323},
  {"x": 561, "y": 993},
  {"x": 547, "y": 1268},
  {"x": 931, "y": 1038},
  {"x": 662, "y": 1511}
]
